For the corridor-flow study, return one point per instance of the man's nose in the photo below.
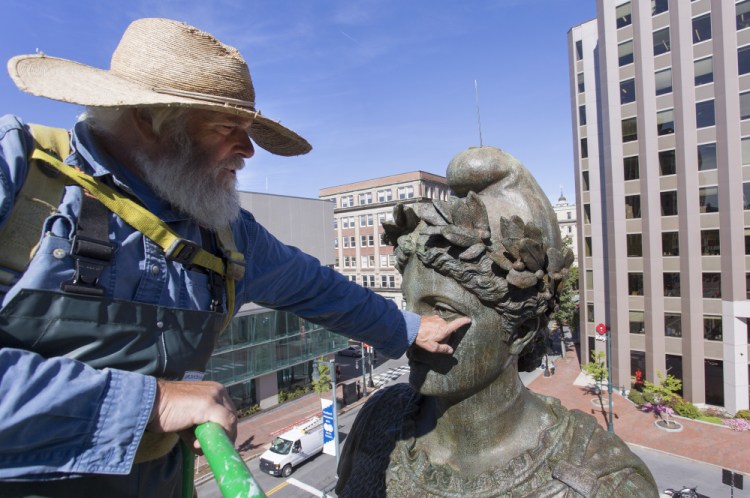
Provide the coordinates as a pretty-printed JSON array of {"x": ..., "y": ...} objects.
[{"x": 244, "y": 145}]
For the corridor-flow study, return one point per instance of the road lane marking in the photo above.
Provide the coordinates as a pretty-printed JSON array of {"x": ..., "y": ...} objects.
[
  {"x": 308, "y": 488},
  {"x": 277, "y": 488}
]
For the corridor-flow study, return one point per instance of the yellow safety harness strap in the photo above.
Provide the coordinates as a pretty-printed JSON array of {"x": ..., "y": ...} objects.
[{"x": 175, "y": 247}]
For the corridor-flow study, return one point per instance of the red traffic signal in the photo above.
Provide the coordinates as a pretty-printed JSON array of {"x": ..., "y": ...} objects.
[{"x": 601, "y": 329}]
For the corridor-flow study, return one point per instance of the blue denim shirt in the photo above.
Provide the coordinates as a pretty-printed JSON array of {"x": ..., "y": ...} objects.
[{"x": 277, "y": 276}]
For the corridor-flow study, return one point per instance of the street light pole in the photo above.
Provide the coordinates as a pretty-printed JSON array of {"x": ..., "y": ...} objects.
[
  {"x": 364, "y": 370},
  {"x": 332, "y": 366},
  {"x": 610, "y": 422}
]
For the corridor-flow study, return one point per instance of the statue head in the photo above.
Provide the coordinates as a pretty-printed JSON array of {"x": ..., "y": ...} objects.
[{"x": 492, "y": 252}]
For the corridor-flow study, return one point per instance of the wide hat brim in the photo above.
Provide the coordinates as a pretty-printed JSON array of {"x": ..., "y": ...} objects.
[{"x": 76, "y": 83}]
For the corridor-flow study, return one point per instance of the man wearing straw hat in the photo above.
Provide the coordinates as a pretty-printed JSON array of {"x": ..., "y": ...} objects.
[{"x": 143, "y": 262}]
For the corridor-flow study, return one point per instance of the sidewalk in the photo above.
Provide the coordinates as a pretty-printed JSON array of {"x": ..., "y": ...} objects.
[{"x": 698, "y": 441}]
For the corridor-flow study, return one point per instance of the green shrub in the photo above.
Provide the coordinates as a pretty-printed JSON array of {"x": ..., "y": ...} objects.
[
  {"x": 713, "y": 420},
  {"x": 636, "y": 397},
  {"x": 687, "y": 409},
  {"x": 247, "y": 411},
  {"x": 743, "y": 414}
]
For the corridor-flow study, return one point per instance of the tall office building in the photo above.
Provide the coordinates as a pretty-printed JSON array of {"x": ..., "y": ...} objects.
[
  {"x": 660, "y": 100},
  {"x": 359, "y": 210}
]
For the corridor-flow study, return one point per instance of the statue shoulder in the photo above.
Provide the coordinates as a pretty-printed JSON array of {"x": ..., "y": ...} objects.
[{"x": 599, "y": 463}]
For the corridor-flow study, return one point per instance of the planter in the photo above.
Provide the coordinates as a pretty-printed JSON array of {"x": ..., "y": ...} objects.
[{"x": 668, "y": 425}]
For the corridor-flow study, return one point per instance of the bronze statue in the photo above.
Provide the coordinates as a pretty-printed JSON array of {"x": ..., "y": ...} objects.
[{"x": 465, "y": 425}]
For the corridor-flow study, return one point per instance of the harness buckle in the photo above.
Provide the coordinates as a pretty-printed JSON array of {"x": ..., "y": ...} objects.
[
  {"x": 182, "y": 251},
  {"x": 86, "y": 278}
]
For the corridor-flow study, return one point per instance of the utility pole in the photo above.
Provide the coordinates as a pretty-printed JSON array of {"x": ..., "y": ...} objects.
[{"x": 364, "y": 370}]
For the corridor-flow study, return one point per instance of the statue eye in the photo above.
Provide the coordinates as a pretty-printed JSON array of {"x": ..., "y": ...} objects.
[{"x": 445, "y": 312}]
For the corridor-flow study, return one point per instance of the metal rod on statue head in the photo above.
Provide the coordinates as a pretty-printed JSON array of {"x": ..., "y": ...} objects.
[{"x": 479, "y": 119}]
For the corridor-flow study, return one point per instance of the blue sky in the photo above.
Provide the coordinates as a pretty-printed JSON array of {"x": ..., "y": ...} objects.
[{"x": 378, "y": 87}]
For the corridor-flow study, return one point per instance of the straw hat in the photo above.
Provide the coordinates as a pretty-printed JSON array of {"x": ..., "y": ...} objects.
[{"x": 165, "y": 63}]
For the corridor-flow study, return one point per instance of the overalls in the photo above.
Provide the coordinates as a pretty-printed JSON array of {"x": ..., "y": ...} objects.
[{"x": 79, "y": 322}]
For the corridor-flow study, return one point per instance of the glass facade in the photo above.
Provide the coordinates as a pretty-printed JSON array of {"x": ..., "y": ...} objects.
[{"x": 260, "y": 343}]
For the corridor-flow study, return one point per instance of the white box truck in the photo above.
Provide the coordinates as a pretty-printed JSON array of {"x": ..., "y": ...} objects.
[{"x": 293, "y": 447}]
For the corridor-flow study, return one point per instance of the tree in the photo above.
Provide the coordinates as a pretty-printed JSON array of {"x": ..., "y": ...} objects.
[
  {"x": 322, "y": 381},
  {"x": 665, "y": 392},
  {"x": 597, "y": 368},
  {"x": 568, "y": 306}
]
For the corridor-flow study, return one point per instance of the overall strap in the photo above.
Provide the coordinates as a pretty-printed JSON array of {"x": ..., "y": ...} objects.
[{"x": 175, "y": 247}]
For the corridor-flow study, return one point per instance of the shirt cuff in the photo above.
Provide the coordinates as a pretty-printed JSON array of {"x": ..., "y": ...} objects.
[{"x": 412, "y": 325}]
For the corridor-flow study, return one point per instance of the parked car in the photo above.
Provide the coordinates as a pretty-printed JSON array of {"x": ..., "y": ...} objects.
[{"x": 355, "y": 351}]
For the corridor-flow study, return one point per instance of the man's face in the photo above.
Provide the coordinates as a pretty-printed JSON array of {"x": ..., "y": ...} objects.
[
  {"x": 195, "y": 168},
  {"x": 222, "y": 141}
]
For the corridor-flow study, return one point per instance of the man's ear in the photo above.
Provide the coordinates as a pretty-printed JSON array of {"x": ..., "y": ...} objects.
[
  {"x": 524, "y": 333},
  {"x": 143, "y": 125}
]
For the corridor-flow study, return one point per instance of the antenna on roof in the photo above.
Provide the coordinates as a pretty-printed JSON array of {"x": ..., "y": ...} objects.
[{"x": 479, "y": 118}]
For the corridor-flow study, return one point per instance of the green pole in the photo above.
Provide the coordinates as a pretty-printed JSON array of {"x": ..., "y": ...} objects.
[
  {"x": 231, "y": 472},
  {"x": 188, "y": 470}
]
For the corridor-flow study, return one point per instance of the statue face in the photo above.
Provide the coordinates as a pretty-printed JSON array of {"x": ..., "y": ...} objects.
[{"x": 481, "y": 349}]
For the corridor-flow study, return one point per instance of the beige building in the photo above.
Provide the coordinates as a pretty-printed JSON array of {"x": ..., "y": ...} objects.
[
  {"x": 359, "y": 210},
  {"x": 660, "y": 99},
  {"x": 566, "y": 218}
]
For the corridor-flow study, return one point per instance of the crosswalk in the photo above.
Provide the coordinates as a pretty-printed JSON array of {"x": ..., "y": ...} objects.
[{"x": 390, "y": 375}]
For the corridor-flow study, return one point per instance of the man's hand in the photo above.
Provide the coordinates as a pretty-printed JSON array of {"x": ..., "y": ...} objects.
[
  {"x": 433, "y": 330},
  {"x": 180, "y": 406}
]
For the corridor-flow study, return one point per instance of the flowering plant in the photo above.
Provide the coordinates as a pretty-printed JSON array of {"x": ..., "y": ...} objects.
[{"x": 738, "y": 424}]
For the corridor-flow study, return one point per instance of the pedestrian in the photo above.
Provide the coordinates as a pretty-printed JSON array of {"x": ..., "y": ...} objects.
[
  {"x": 143, "y": 262},
  {"x": 359, "y": 390},
  {"x": 338, "y": 371}
]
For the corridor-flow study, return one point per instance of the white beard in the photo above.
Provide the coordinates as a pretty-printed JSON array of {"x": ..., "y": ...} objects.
[{"x": 191, "y": 185}]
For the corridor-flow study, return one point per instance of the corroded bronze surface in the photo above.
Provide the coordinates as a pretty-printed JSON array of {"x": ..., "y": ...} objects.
[{"x": 465, "y": 425}]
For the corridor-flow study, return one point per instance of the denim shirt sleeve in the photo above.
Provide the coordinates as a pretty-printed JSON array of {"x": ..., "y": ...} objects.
[
  {"x": 284, "y": 278},
  {"x": 60, "y": 417}
]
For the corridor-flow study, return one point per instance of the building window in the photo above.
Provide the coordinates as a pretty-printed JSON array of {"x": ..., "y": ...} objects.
[
  {"x": 663, "y": 81},
  {"x": 747, "y": 241},
  {"x": 670, "y": 244},
  {"x": 671, "y": 285},
  {"x": 667, "y": 162},
  {"x": 634, "y": 245},
  {"x": 365, "y": 220},
  {"x": 712, "y": 285},
  {"x": 590, "y": 312},
  {"x": 579, "y": 50},
  {"x": 629, "y": 130},
  {"x": 712, "y": 328},
  {"x": 632, "y": 206},
  {"x": 388, "y": 281},
  {"x": 406, "y": 192},
  {"x": 702, "y": 28},
  {"x": 581, "y": 85},
  {"x": 385, "y": 195},
  {"x": 627, "y": 91},
  {"x": 745, "y": 105},
  {"x": 623, "y": 12},
  {"x": 584, "y": 148},
  {"x": 669, "y": 203},
  {"x": 743, "y": 59},
  {"x": 635, "y": 284},
  {"x": 363, "y": 240},
  {"x": 585, "y": 180},
  {"x": 704, "y": 71},
  {"x": 708, "y": 199},
  {"x": 363, "y": 262},
  {"x": 336, "y": 243},
  {"x": 365, "y": 198},
  {"x": 743, "y": 14},
  {"x": 659, "y": 6},
  {"x": 581, "y": 115},
  {"x": 589, "y": 279},
  {"x": 347, "y": 201},
  {"x": 746, "y": 196},
  {"x": 335, "y": 223},
  {"x": 672, "y": 325},
  {"x": 713, "y": 371},
  {"x": 710, "y": 243},
  {"x": 704, "y": 114},
  {"x": 383, "y": 260},
  {"x": 637, "y": 323},
  {"x": 587, "y": 213},
  {"x": 625, "y": 53},
  {"x": 665, "y": 122},
  {"x": 746, "y": 151},
  {"x": 368, "y": 280},
  {"x": 661, "y": 41},
  {"x": 352, "y": 241},
  {"x": 706, "y": 156},
  {"x": 345, "y": 242},
  {"x": 587, "y": 245},
  {"x": 347, "y": 261}
]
